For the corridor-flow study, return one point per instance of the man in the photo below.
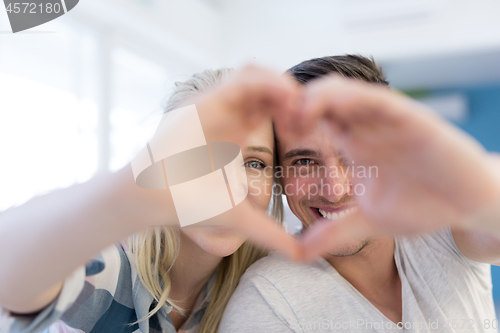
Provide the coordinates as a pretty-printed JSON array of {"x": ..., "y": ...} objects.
[{"x": 426, "y": 177}]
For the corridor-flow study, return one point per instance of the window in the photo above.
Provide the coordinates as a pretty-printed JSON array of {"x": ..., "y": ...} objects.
[
  {"x": 48, "y": 111},
  {"x": 138, "y": 88},
  {"x": 72, "y": 102}
]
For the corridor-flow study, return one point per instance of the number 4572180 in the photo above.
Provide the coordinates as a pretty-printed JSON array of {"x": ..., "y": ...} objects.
[{"x": 33, "y": 8}]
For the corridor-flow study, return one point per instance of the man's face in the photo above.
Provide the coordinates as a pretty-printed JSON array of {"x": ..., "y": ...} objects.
[{"x": 317, "y": 181}]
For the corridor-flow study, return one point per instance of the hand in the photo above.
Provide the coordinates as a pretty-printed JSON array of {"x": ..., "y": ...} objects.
[
  {"x": 229, "y": 113},
  {"x": 430, "y": 174}
]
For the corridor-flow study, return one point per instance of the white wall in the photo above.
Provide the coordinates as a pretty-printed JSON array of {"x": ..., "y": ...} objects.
[
  {"x": 282, "y": 33},
  {"x": 180, "y": 34}
]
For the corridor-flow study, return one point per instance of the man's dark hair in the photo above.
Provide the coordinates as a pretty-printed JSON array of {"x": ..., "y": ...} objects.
[{"x": 352, "y": 66}]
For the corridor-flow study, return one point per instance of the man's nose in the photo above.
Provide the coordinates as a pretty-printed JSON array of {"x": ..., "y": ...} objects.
[{"x": 335, "y": 182}]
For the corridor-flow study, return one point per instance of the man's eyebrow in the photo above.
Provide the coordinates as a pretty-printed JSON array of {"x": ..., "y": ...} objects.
[
  {"x": 301, "y": 152},
  {"x": 259, "y": 149}
]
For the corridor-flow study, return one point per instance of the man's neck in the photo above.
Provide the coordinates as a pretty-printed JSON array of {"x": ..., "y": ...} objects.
[{"x": 373, "y": 272}]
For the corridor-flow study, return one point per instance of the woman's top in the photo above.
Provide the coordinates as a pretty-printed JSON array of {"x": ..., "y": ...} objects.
[{"x": 104, "y": 296}]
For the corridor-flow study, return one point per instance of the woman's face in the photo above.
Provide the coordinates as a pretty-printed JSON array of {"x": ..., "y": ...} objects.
[{"x": 258, "y": 158}]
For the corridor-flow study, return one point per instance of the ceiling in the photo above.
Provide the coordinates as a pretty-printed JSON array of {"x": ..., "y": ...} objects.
[{"x": 420, "y": 43}]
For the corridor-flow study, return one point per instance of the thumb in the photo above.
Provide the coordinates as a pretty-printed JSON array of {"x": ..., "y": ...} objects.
[
  {"x": 267, "y": 233},
  {"x": 262, "y": 230}
]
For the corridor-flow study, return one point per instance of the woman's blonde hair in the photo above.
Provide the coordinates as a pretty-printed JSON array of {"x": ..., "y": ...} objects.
[{"x": 154, "y": 252}]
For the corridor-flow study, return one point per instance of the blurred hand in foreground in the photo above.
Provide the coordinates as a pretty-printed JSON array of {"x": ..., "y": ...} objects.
[{"x": 430, "y": 174}]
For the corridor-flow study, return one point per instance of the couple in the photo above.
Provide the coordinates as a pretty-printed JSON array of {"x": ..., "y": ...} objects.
[{"x": 192, "y": 279}]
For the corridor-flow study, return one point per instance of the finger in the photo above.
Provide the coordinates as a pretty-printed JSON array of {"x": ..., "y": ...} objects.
[
  {"x": 361, "y": 117},
  {"x": 286, "y": 118},
  {"x": 494, "y": 158},
  {"x": 348, "y": 102},
  {"x": 317, "y": 103},
  {"x": 271, "y": 237},
  {"x": 267, "y": 233},
  {"x": 329, "y": 236},
  {"x": 259, "y": 228},
  {"x": 266, "y": 93},
  {"x": 257, "y": 93},
  {"x": 269, "y": 92}
]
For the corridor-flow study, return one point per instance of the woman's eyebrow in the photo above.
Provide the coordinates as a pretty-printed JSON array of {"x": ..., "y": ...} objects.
[{"x": 259, "y": 149}]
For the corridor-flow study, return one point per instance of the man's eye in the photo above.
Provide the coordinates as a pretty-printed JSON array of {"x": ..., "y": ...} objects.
[
  {"x": 304, "y": 161},
  {"x": 254, "y": 165}
]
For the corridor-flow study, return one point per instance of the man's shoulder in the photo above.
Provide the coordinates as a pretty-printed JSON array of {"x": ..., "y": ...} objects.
[
  {"x": 283, "y": 284},
  {"x": 274, "y": 262},
  {"x": 278, "y": 269}
]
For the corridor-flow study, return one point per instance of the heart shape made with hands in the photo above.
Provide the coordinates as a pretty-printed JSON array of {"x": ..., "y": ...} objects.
[{"x": 420, "y": 157}]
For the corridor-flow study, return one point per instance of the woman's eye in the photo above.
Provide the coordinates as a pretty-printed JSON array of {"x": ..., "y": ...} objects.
[
  {"x": 304, "y": 161},
  {"x": 255, "y": 165}
]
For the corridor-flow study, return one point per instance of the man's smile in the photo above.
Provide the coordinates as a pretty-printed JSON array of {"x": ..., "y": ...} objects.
[{"x": 331, "y": 213}]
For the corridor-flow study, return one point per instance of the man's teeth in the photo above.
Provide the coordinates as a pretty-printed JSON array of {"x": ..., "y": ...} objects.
[{"x": 335, "y": 216}]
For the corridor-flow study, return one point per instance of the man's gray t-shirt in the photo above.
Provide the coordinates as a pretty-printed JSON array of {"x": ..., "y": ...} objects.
[{"x": 442, "y": 291}]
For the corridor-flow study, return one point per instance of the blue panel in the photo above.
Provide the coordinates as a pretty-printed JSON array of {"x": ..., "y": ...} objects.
[
  {"x": 484, "y": 125},
  {"x": 484, "y": 114}
]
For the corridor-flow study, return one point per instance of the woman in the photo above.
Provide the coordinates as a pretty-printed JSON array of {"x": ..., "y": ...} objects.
[{"x": 165, "y": 278}]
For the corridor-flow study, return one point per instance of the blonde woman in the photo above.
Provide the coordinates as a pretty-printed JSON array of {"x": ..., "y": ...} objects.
[{"x": 162, "y": 278}]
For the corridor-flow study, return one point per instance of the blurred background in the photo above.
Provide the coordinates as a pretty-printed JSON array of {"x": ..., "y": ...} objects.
[{"x": 79, "y": 95}]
